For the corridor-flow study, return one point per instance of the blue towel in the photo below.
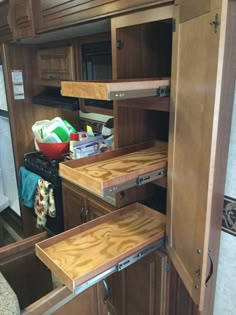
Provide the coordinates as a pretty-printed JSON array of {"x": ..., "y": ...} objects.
[{"x": 27, "y": 186}]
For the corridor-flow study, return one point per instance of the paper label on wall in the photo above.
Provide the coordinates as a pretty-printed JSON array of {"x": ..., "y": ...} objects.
[
  {"x": 18, "y": 85},
  {"x": 3, "y": 99}
]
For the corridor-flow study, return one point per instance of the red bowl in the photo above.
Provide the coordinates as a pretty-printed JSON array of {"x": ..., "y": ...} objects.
[{"x": 53, "y": 150}]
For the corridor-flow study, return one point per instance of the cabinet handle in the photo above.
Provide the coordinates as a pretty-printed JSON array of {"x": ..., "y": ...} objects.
[
  {"x": 106, "y": 295},
  {"x": 210, "y": 270},
  {"x": 82, "y": 214}
]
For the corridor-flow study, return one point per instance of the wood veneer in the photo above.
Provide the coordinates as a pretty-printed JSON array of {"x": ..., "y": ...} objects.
[
  {"x": 101, "y": 90},
  {"x": 81, "y": 253},
  {"x": 119, "y": 169}
]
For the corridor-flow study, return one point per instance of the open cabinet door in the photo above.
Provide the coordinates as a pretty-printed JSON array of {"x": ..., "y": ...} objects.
[{"x": 203, "y": 78}]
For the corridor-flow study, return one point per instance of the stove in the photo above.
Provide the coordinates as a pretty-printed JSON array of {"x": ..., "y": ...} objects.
[
  {"x": 41, "y": 165},
  {"x": 48, "y": 169}
]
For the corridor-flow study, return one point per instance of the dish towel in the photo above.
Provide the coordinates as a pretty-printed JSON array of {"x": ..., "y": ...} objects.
[
  {"x": 28, "y": 182},
  {"x": 44, "y": 203}
]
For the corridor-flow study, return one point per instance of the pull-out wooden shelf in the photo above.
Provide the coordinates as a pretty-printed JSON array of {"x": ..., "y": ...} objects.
[
  {"x": 85, "y": 252},
  {"x": 115, "y": 90},
  {"x": 110, "y": 172}
]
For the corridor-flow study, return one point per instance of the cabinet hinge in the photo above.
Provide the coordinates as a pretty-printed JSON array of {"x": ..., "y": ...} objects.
[
  {"x": 167, "y": 266},
  {"x": 119, "y": 44},
  {"x": 166, "y": 241},
  {"x": 173, "y": 25}
]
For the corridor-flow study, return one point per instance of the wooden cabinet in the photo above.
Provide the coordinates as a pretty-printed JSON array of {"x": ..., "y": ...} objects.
[
  {"x": 5, "y": 22},
  {"x": 62, "y": 13},
  {"x": 55, "y": 64},
  {"x": 198, "y": 55},
  {"x": 80, "y": 206},
  {"x": 141, "y": 288},
  {"x": 22, "y": 18},
  {"x": 73, "y": 206},
  {"x": 197, "y": 152},
  {"x": 97, "y": 209}
]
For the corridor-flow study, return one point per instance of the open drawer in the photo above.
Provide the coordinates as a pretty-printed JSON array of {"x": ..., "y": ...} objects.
[
  {"x": 89, "y": 253},
  {"x": 116, "y": 90},
  {"x": 110, "y": 172}
]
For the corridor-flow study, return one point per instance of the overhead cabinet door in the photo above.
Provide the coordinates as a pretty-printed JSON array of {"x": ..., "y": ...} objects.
[
  {"x": 198, "y": 141},
  {"x": 55, "y": 14}
]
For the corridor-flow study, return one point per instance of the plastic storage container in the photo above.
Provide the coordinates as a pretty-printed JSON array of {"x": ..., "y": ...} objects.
[{"x": 57, "y": 127}]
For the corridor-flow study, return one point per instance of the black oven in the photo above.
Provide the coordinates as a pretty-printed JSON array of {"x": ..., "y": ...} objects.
[{"x": 37, "y": 163}]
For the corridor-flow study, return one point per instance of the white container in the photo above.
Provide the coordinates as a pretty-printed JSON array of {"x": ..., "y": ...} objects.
[
  {"x": 37, "y": 129},
  {"x": 57, "y": 127}
]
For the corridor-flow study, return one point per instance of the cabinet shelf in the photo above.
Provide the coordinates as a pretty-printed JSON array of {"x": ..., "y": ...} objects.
[
  {"x": 115, "y": 90},
  {"x": 85, "y": 252},
  {"x": 110, "y": 172}
]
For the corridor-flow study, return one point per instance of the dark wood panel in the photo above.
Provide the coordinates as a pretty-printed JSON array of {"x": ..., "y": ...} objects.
[
  {"x": 28, "y": 277},
  {"x": 180, "y": 302},
  {"x": 56, "y": 64},
  {"x": 145, "y": 50},
  {"x": 22, "y": 18},
  {"x": 5, "y": 22},
  {"x": 74, "y": 208},
  {"x": 96, "y": 210},
  {"x": 62, "y": 13}
]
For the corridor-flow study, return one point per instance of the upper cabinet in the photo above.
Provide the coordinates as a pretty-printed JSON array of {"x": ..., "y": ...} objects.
[
  {"x": 22, "y": 18},
  {"x": 55, "y": 64},
  {"x": 5, "y": 22},
  {"x": 55, "y": 14}
]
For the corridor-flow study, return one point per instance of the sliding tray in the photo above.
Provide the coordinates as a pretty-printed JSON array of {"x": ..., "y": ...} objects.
[
  {"x": 116, "y": 90},
  {"x": 88, "y": 253},
  {"x": 107, "y": 173}
]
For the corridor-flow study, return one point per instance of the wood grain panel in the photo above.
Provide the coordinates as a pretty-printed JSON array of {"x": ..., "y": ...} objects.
[
  {"x": 84, "y": 252},
  {"x": 101, "y": 90},
  {"x": 85, "y": 303},
  {"x": 22, "y": 18},
  {"x": 150, "y": 103},
  {"x": 22, "y": 270},
  {"x": 100, "y": 175},
  {"x": 5, "y": 22},
  {"x": 62, "y": 13},
  {"x": 196, "y": 123},
  {"x": 190, "y": 9},
  {"x": 56, "y": 64}
]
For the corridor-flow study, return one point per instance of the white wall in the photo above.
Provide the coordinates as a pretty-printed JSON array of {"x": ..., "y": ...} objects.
[
  {"x": 225, "y": 299},
  {"x": 7, "y": 165}
]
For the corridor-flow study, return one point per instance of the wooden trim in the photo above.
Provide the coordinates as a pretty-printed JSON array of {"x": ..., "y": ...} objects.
[
  {"x": 47, "y": 301},
  {"x": 13, "y": 250},
  {"x": 224, "y": 102}
]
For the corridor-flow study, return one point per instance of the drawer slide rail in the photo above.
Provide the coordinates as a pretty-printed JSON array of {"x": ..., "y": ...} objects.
[{"x": 118, "y": 267}]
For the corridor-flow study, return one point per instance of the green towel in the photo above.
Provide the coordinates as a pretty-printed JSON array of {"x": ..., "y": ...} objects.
[{"x": 27, "y": 186}]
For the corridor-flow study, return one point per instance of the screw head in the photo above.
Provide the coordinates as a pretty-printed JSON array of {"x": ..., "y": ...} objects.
[
  {"x": 196, "y": 286},
  {"x": 199, "y": 251}
]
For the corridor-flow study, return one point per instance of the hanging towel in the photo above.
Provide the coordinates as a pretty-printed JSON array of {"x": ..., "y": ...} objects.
[
  {"x": 44, "y": 203},
  {"x": 28, "y": 182}
]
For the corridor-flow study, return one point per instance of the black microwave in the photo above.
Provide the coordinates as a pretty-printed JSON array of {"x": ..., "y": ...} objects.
[{"x": 97, "y": 65}]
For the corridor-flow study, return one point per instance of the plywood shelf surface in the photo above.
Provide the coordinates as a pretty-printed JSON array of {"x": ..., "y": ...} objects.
[
  {"x": 122, "y": 166},
  {"x": 112, "y": 90},
  {"x": 86, "y": 251}
]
